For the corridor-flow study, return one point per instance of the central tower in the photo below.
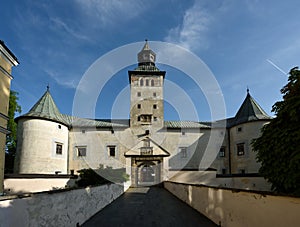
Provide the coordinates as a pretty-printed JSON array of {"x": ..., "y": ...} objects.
[{"x": 146, "y": 94}]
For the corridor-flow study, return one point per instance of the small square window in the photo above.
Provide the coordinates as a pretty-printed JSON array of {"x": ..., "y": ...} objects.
[
  {"x": 183, "y": 152},
  {"x": 155, "y": 118},
  {"x": 154, "y": 94},
  {"x": 81, "y": 151},
  {"x": 240, "y": 149},
  {"x": 183, "y": 133},
  {"x": 154, "y": 106},
  {"x": 139, "y": 106},
  {"x": 222, "y": 152},
  {"x": 139, "y": 94},
  {"x": 239, "y": 129},
  {"x": 112, "y": 151},
  {"x": 59, "y": 148}
]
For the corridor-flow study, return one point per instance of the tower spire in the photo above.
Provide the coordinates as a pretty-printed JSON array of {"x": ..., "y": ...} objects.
[{"x": 146, "y": 56}]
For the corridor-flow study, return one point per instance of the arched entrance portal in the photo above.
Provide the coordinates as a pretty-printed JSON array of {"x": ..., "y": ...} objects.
[
  {"x": 147, "y": 174},
  {"x": 146, "y": 171}
]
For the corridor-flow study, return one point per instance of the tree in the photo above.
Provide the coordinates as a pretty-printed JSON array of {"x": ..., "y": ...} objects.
[
  {"x": 278, "y": 148},
  {"x": 11, "y": 139}
]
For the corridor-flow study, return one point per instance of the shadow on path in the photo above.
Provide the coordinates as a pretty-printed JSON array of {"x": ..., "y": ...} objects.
[{"x": 148, "y": 206}]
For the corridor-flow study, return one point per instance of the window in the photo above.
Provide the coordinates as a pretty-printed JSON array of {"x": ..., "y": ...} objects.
[
  {"x": 154, "y": 94},
  {"x": 139, "y": 94},
  {"x": 240, "y": 149},
  {"x": 59, "y": 148},
  {"x": 147, "y": 82},
  {"x": 138, "y": 118},
  {"x": 223, "y": 171},
  {"x": 154, "y": 118},
  {"x": 146, "y": 118},
  {"x": 239, "y": 129},
  {"x": 154, "y": 106},
  {"x": 183, "y": 152},
  {"x": 242, "y": 171},
  {"x": 152, "y": 83},
  {"x": 139, "y": 106},
  {"x": 111, "y": 151},
  {"x": 81, "y": 151},
  {"x": 141, "y": 82},
  {"x": 82, "y": 131},
  {"x": 59, "y": 126},
  {"x": 183, "y": 133},
  {"x": 222, "y": 152}
]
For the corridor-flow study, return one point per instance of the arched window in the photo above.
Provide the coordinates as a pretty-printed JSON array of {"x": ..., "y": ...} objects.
[
  {"x": 152, "y": 83},
  {"x": 147, "y": 82},
  {"x": 141, "y": 82}
]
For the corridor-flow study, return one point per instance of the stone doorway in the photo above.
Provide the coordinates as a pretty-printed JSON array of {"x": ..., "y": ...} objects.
[{"x": 146, "y": 171}]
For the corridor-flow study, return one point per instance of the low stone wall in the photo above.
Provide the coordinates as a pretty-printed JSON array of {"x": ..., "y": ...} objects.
[
  {"x": 235, "y": 208},
  {"x": 57, "y": 208}
]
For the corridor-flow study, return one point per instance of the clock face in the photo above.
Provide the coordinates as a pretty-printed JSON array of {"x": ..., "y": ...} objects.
[
  {"x": 145, "y": 57},
  {"x": 152, "y": 57}
]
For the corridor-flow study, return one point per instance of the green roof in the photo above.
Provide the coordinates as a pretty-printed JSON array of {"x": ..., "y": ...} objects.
[
  {"x": 46, "y": 108},
  {"x": 250, "y": 110},
  {"x": 185, "y": 124}
]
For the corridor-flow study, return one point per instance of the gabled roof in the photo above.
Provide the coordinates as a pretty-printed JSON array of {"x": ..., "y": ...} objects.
[
  {"x": 250, "y": 110},
  {"x": 157, "y": 149}
]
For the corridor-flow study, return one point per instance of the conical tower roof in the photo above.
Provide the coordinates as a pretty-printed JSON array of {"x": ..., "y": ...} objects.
[
  {"x": 250, "y": 110},
  {"x": 45, "y": 108}
]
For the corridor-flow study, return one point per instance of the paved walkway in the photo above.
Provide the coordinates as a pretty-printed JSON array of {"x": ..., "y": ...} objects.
[{"x": 152, "y": 206}]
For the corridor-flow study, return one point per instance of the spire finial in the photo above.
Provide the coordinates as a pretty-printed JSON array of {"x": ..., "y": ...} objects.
[
  {"x": 48, "y": 87},
  {"x": 247, "y": 90}
]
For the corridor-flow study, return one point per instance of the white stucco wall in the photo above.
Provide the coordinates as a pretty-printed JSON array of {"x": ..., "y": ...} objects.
[
  {"x": 36, "y": 148},
  {"x": 230, "y": 208},
  {"x": 30, "y": 185},
  {"x": 66, "y": 208}
]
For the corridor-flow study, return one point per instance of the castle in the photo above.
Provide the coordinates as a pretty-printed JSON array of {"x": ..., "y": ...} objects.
[{"x": 150, "y": 148}]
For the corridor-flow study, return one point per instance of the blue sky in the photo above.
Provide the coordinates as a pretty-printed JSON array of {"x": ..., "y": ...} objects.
[{"x": 244, "y": 43}]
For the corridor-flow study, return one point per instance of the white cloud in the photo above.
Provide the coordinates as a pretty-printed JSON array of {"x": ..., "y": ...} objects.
[
  {"x": 191, "y": 33},
  {"x": 62, "y": 79},
  {"x": 62, "y": 25},
  {"x": 108, "y": 13}
]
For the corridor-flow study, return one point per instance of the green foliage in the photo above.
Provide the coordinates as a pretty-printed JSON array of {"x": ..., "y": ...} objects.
[
  {"x": 101, "y": 176},
  {"x": 11, "y": 139},
  {"x": 278, "y": 148}
]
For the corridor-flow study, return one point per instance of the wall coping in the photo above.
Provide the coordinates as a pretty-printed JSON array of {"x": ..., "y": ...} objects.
[{"x": 236, "y": 190}]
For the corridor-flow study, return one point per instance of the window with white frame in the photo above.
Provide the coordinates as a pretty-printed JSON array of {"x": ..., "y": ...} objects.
[
  {"x": 183, "y": 152},
  {"x": 59, "y": 148},
  {"x": 81, "y": 151},
  {"x": 111, "y": 150},
  {"x": 222, "y": 152},
  {"x": 240, "y": 147}
]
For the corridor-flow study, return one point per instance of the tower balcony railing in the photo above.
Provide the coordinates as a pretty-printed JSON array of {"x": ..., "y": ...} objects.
[{"x": 146, "y": 150}]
